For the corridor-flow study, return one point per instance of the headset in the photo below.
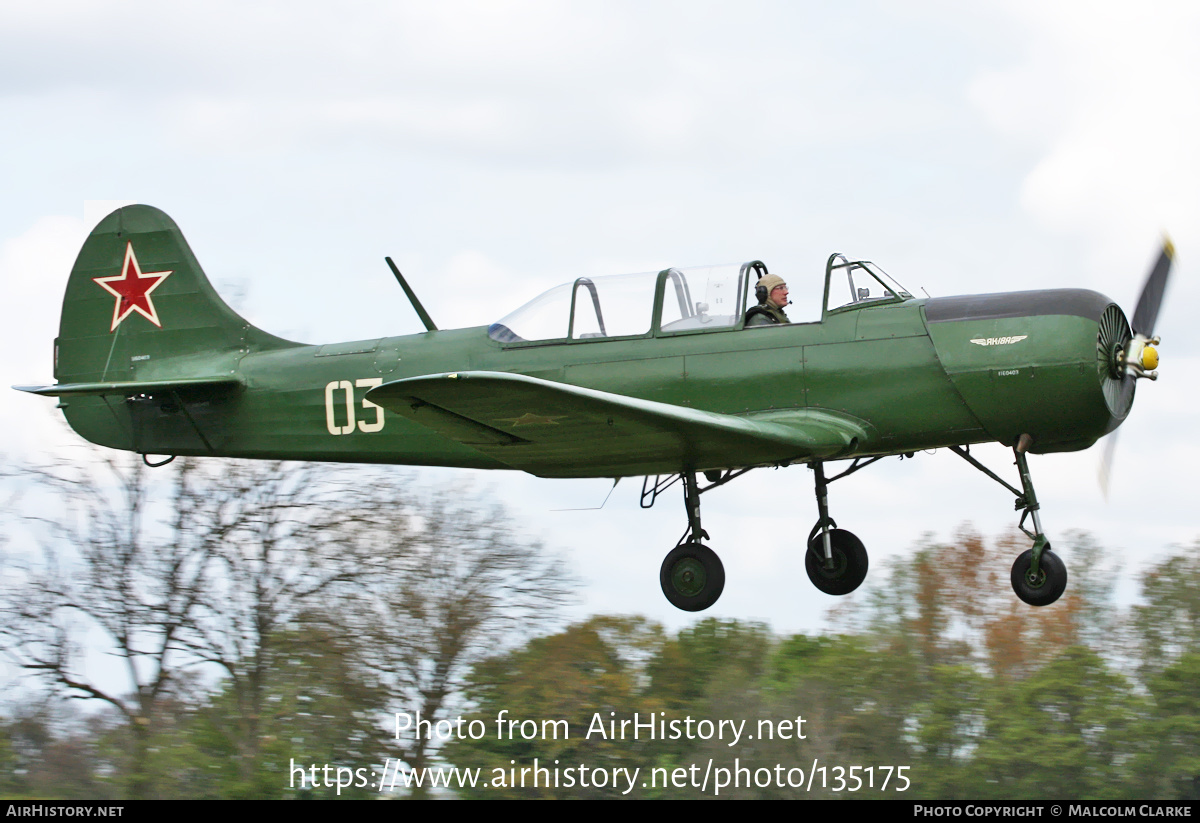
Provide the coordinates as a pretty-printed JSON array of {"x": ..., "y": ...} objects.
[{"x": 760, "y": 294}]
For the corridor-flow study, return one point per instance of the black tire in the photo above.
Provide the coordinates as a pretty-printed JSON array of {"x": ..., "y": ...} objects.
[
  {"x": 692, "y": 577},
  {"x": 1048, "y": 586},
  {"x": 849, "y": 558}
]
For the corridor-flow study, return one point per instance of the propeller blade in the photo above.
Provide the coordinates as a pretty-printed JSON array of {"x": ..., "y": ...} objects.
[
  {"x": 1146, "y": 313},
  {"x": 1120, "y": 390},
  {"x": 1106, "y": 462}
]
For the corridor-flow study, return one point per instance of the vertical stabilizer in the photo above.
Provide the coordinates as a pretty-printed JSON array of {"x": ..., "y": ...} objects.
[
  {"x": 137, "y": 297},
  {"x": 147, "y": 356}
]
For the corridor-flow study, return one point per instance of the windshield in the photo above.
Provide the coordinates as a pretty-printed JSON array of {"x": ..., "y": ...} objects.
[{"x": 859, "y": 282}]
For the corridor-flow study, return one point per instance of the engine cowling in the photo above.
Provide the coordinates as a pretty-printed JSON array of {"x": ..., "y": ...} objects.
[{"x": 1042, "y": 363}]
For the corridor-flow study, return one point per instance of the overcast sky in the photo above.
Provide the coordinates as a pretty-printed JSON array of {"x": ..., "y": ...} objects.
[{"x": 495, "y": 149}]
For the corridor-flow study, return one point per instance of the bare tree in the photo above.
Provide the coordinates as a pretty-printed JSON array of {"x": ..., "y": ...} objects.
[
  {"x": 235, "y": 564},
  {"x": 208, "y": 573},
  {"x": 305, "y": 541},
  {"x": 471, "y": 587},
  {"x": 110, "y": 575}
]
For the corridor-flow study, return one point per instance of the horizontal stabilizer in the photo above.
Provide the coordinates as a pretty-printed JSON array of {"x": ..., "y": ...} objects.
[
  {"x": 554, "y": 429},
  {"x": 131, "y": 386}
]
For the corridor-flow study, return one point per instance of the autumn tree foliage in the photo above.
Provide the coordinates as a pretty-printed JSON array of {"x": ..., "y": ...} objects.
[
  {"x": 935, "y": 667},
  {"x": 231, "y": 619}
]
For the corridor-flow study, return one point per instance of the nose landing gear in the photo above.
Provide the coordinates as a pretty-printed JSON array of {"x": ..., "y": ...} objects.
[
  {"x": 1042, "y": 584},
  {"x": 1038, "y": 577}
]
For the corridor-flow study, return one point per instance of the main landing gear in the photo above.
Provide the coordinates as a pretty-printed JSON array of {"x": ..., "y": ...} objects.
[
  {"x": 836, "y": 560},
  {"x": 692, "y": 576},
  {"x": 1039, "y": 577}
]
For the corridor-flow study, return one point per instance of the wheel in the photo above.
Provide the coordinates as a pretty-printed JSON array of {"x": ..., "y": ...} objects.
[
  {"x": 1049, "y": 584},
  {"x": 849, "y": 562},
  {"x": 692, "y": 577}
]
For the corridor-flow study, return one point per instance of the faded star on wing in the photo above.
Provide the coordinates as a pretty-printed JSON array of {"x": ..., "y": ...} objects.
[
  {"x": 531, "y": 419},
  {"x": 132, "y": 289}
]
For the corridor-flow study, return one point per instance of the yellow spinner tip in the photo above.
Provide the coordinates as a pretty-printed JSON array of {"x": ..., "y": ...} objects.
[
  {"x": 1150, "y": 358},
  {"x": 1168, "y": 247}
]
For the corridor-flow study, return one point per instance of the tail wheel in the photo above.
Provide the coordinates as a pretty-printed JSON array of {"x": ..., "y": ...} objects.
[
  {"x": 1047, "y": 585},
  {"x": 849, "y": 567},
  {"x": 692, "y": 577}
]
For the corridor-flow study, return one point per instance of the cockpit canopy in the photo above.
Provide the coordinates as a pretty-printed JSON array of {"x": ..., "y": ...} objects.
[{"x": 676, "y": 301}]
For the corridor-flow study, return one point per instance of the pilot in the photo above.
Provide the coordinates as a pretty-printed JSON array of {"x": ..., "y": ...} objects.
[{"x": 772, "y": 294}]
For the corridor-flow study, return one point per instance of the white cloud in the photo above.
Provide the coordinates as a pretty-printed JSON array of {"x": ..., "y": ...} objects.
[
  {"x": 33, "y": 274},
  {"x": 1108, "y": 92}
]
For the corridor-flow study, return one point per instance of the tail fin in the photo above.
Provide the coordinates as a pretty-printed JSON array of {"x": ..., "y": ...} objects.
[
  {"x": 136, "y": 299},
  {"x": 147, "y": 354}
]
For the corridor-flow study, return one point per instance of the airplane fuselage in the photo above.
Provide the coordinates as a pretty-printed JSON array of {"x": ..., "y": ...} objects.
[
  {"x": 920, "y": 374},
  {"x": 654, "y": 373}
]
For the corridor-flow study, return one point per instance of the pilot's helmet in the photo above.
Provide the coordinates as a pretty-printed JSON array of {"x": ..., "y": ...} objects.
[{"x": 766, "y": 284}]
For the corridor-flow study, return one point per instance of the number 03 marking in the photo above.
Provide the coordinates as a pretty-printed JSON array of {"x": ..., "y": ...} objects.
[{"x": 331, "y": 407}]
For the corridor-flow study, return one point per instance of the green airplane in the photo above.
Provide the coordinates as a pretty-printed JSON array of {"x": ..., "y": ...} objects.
[{"x": 658, "y": 375}]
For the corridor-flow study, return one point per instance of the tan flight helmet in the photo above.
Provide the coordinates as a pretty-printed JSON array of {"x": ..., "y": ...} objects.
[{"x": 766, "y": 284}]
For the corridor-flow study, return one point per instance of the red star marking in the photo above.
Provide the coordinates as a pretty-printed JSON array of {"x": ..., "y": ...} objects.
[{"x": 132, "y": 290}]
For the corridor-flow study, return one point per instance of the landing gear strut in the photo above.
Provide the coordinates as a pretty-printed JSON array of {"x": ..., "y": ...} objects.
[
  {"x": 1038, "y": 576},
  {"x": 836, "y": 560},
  {"x": 692, "y": 576}
]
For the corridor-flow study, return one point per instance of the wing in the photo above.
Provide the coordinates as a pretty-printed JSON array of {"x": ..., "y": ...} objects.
[{"x": 558, "y": 430}]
